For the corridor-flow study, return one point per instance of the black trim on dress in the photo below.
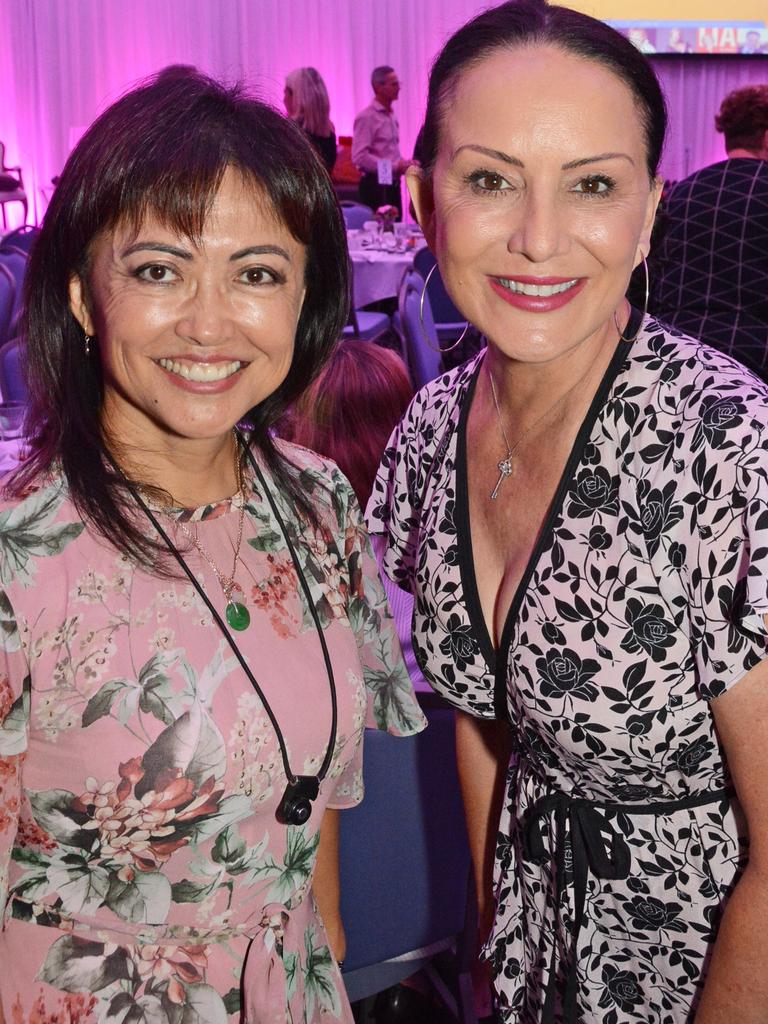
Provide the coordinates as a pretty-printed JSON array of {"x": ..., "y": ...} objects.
[{"x": 497, "y": 658}]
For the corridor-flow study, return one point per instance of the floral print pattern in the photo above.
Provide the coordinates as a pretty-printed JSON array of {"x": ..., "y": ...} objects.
[
  {"x": 643, "y": 601},
  {"x": 143, "y": 874}
]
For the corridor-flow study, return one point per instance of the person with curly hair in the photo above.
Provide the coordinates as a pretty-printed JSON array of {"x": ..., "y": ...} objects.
[{"x": 710, "y": 264}]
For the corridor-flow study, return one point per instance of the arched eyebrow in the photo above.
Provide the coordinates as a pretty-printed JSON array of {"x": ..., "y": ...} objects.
[
  {"x": 497, "y": 154},
  {"x": 573, "y": 164},
  {"x": 185, "y": 254},
  {"x": 171, "y": 250},
  {"x": 260, "y": 250}
]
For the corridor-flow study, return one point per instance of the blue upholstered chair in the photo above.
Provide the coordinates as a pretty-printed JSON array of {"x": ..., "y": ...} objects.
[
  {"x": 355, "y": 214},
  {"x": 420, "y": 343},
  {"x": 7, "y": 302},
  {"x": 366, "y": 326},
  {"x": 20, "y": 239},
  {"x": 13, "y": 386},
  {"x": 405, "y": 869},
  {"x": 362, "y": 324},
  {"x": 449, "y": 322},
  {"x": 14, "y": 261}
]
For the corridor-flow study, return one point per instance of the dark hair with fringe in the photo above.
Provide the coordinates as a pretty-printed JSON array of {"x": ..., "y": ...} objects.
[
  {"x": 535, "y": 23},
  {"x": 352, "y": 408},
  {"x": 743, "y": 117},
  {"x": 163, "y": 149}
]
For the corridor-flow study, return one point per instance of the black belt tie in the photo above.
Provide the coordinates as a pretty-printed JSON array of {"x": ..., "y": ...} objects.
[{"x": 597, "y": 847}]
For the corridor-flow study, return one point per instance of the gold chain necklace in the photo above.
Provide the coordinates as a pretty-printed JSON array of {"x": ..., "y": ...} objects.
[{"x": 237, "y": 615}]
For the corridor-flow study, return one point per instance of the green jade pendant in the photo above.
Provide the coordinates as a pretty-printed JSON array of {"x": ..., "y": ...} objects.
[{"x": 238, "y": 615}]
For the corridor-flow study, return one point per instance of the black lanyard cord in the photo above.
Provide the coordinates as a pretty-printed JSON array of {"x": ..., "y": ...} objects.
[
  {"x": 313, "y": 611},
  {"x": 225, "y": 631}
]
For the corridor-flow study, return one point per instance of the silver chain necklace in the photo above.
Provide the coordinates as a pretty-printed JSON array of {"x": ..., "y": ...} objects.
[{"x": 506, "y": 466}]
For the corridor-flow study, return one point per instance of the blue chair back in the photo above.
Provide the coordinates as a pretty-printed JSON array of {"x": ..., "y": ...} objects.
[
  {"x": 355, "y": 214},
  {"x": 421, "y": 343},
  {"x": 21, "y": 239},
  {"x": 443, "y": 309},
  {"x": 404, "y": 856},
  {"x": 7, "y": 302},
  {"x": 15, "y": 262},
  {"x": 12, "y": 383}
]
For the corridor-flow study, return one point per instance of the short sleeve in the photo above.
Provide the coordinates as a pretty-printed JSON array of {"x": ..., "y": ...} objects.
[
  {"x": 391, "y": 703},
  {"x": 14, "y": 723},
  {"x": 393, "y": 508},
  {"x": 727, "y": 566}
]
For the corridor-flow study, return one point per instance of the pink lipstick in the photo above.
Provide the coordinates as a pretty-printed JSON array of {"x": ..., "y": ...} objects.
[{"x": 537, "y": 294}]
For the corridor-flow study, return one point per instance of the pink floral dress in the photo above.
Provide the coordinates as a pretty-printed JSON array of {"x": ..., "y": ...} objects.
[{"x": 143, "y": 874}]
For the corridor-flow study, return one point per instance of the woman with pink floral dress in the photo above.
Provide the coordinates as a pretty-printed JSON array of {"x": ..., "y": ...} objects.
[{"x": 150, "y": 868}]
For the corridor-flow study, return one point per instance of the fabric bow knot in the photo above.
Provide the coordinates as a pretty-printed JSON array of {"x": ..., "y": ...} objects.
[{"x": 595, "y": 846}]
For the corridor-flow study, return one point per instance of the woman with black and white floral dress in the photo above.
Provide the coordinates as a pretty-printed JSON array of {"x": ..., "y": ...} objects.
[{"x": 581, "y": 513}]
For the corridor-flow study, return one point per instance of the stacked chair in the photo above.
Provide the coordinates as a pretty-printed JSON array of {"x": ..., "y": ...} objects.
[
  {"x": 20, "y": 240},
  {"x": 11, "y": 186},
  {"x": 14, "y": 255}
]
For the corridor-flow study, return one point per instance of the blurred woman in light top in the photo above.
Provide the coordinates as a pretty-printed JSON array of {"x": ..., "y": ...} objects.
[{"x": 306, "y": 103}]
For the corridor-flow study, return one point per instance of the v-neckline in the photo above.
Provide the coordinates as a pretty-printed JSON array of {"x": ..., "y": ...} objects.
[{"x": 495, "y": 658}]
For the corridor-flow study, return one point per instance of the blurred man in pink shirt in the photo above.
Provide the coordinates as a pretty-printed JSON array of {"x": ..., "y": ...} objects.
[{"x": 376, "y": 143}]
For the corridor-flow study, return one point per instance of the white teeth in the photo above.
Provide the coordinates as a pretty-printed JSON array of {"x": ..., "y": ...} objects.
[
  {"x": 201, "y": 372},
  {"x": 543, "y": 290}
]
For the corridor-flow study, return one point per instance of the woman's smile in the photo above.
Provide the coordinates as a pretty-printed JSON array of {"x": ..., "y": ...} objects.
[
  {"x": 195, "y": 371},
  {"x": 192, "y": 334},
  {"x": 537, "y": 295},
  {"x": 539, "y": 210}
]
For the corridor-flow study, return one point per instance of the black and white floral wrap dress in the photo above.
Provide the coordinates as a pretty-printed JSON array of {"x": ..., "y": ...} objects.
[{"x": 620, "y": 838}]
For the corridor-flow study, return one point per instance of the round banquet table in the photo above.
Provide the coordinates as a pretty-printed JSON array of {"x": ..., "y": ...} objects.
[{"x": 377, "y": 273}]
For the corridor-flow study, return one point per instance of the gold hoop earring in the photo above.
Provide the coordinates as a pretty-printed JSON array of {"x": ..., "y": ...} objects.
[
  {"x": 645, "y": 307},
  {"x": 439, "y": 348}
]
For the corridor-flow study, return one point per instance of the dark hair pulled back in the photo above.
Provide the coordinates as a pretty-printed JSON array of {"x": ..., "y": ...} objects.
[
  {"x": 163, "y": 149},
  {"x": 532, "y": 23}
]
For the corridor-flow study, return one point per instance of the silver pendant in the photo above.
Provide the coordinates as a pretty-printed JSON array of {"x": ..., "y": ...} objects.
[{"x": 505, "y": 470}]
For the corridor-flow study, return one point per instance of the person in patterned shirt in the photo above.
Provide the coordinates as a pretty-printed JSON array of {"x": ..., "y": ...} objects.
[
  {"x": 710, "y": 264},
  {"x": 193, "y": 633},
  {"x": 581, "y": 515}
]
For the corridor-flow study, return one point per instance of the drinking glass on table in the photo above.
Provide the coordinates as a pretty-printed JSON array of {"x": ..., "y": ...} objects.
[
  {"x": 401, "y": 236},
  {"x": 372, "y": 235}
]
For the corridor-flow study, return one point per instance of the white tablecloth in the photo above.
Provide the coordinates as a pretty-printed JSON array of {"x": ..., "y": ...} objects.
[{"x": 377, "y": 275}]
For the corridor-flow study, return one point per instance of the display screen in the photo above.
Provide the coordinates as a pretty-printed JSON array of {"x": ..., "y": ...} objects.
[{"x": 687, "y": 26}]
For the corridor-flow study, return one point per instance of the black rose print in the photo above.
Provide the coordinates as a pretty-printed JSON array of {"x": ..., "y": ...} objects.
[
  {"x": 564, "y": 674},
  {"x": 649, "y": 630},
  {"x": 594, "y": 490},
  {"x": 621, "y": 989}
]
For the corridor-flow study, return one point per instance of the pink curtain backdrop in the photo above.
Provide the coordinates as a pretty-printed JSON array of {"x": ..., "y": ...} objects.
[{"x": 63, "y": 61}]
